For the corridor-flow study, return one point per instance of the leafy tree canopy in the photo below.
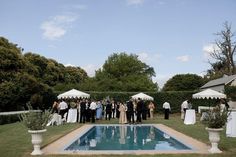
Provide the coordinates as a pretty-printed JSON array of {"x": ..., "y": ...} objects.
[
  {"x": 184, "y": 82},
  {"x": 31, "y": 78},
  {"x": 122, "y": 72}
]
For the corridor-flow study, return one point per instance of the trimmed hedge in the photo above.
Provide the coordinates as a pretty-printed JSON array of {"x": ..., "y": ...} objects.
[{"x": 175, "y": 99}]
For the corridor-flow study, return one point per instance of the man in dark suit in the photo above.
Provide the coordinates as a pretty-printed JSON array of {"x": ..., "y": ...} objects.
[
  {"x": 108, "y": 110},
  {"x": 130, "y": 111},
  {"x": 82, "y": 111},
  {"x": 140, "y": 106}
]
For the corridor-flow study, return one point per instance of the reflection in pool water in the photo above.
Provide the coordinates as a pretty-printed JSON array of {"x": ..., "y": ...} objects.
[{"x": 126, "y": 137}]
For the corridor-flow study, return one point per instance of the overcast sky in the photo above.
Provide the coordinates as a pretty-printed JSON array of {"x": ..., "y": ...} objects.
[{"x": 172, "y": 36}]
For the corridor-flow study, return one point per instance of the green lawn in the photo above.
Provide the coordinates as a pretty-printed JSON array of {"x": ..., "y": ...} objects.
[{"x": 15, "y": 140}]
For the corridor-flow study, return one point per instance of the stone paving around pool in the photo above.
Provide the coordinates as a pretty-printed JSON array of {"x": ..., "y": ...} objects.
[{"x": 59, "y": 145}]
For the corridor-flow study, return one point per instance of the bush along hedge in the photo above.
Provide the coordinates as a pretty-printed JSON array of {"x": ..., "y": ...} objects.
[
  {"x": 6, "y": 119},
  {"x": 230, "y": 91},
  {"x": 175, "y": 98}
]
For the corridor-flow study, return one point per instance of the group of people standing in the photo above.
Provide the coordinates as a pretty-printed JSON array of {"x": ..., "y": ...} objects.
[
  {"x": 135, "y": 111},
  {"x": 132, "y": 111}
]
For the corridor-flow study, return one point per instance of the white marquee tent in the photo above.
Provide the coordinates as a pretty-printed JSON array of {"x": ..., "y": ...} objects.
[
  {"x": 73, "y": 93},
  {"x": 142, "y": 96},
  {"x": 209, "y": 93}
]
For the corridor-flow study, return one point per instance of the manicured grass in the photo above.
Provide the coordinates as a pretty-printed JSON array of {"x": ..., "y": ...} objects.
[{"x": 15, "y": 140}]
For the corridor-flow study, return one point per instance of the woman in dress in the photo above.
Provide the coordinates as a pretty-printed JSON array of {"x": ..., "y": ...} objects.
[
  {"x": 123, "y": 118},
  {"x": 151, "y": 107},
  {"x": 55, "y": 107},
  {"x": 99, "y": 110}
]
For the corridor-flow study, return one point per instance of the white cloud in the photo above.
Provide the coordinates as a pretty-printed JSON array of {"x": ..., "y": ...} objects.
[
  {"x": 57, "y": 26},
  {"x": 161, "y": 2},
  {"x": 135, "y": 2},
  {"x": 162, "y": 78},
  {"x": 157, "y": 56},
  {"x": 184, "y": 58},
  {"x": 69, "y": 65},
  {"x": 208, "y": 49},
  {"x": 144, "y": 57},
  {"x": 90, "y": 69}
]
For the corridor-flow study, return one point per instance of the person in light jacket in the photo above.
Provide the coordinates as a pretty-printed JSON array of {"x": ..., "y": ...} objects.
[
  {"x": 167, "y": 109},
  {"x": 123, "y": 118}
]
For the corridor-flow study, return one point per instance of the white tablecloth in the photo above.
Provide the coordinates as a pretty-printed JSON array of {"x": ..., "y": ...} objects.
[
  {"x": 190, "y": 117},
  {"x": 72, "y": 116},
  {"x": 231, "y": 124}
]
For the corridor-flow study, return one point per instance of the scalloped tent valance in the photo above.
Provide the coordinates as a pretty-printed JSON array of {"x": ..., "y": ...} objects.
[
  {"x": 209, "y": 94},
  {"x": 73, "y": 93},
  {"x": 142, "y": 96}
]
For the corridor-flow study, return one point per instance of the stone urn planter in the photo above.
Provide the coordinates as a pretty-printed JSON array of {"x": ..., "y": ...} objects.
[
  {"x": 36, "y": 122},
  {"x": 37, "y": 140},
  {"x": 215, "y": 120},
  {"x": 214, "y": 137}
]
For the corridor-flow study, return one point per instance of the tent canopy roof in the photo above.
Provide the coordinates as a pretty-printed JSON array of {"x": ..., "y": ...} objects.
[
  {"x": 209, "y": 93},
  {"x": 73, "y": 93},
  {"x": 142, "y": 96}
]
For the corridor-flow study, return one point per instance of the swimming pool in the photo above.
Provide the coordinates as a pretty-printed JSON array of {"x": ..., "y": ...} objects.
[
  {"x": 125, "y": 137},
  {"x": 116, "y": 139}
]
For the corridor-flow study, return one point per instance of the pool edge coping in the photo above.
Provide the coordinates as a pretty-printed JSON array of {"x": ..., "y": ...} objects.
[{"x": 57, "y": 147}]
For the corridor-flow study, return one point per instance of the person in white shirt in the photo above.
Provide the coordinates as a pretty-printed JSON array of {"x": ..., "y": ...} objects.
[
  {"x": 62, "y": 108},
  {"x": 113, "y": 108},
  {"x": 93, "y": 107},
  {"x": 167, "y": 109},
  {"x": 184, "y": 107}
]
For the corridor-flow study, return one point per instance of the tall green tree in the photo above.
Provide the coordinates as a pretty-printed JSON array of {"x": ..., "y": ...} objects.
[
  {"x": 53, "y": 73},
  {"x": 11, "y": 60},
  {"x": 123, "y": 72},
  {"x": 30, "y": 78},
  {"x": 184, "y": 82}
]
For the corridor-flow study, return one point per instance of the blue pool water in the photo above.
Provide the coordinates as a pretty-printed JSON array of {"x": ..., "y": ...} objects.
[{"x": 125, "y": 137}]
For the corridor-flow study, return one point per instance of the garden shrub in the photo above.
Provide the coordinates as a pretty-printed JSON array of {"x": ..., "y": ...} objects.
[
  {"x": 230, "y": 91},
  {"x": 7, "y": 119}
]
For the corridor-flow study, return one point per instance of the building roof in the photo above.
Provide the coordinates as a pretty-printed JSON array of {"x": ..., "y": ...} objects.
[{"x": 220, "y": 81}]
